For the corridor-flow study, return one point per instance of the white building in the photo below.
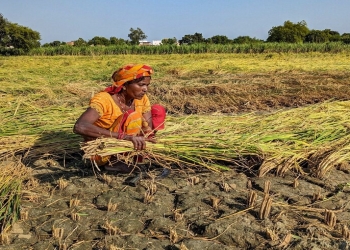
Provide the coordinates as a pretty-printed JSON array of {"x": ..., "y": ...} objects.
[{"x": 156, "y": 42}]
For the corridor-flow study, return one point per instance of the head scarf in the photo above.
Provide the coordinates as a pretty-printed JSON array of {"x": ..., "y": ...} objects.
[{"x": 128, "y": 73}]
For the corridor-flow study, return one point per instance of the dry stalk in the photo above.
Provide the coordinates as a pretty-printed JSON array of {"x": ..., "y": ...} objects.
[
  {"x": 62, "y": 184},
  {"x": 112, "y": 247},
  {"x": 23, "y": 215},
  {"x": 226, "y": 187},
  {"x": 152, "y": 188},
  {"x": 173, "y": 236},
  {"x": 344, "y": 166},
  {"x": 284, "y": 244},
  {"x": 111, "y": 207},
  {"x": 267, "y": 186},
  {"x": 330, "y": 218},
  {"x": 107, "y": 179},
  {"x": 193, "y": 180},
  {"x": 110, "y": 229},
  {"x": 249, "y": 184},
  {"x": 215, "y": 202},
  {"x": 252, "y": 196},
  {"x": 32, "y": 183},
  {"x": 183, "y": 247},
  {"x": 57, "y": 233},
  {"x": 74, "y": 202},
  {"x": 345, "y": 232},
  {"x": 75, "y": 216},
  {"x": 62, "y": 246},
  {"x": 317, "y": 196},
  {"x": 30, "y": 196},
  {"x": 271, "y": 234},
  {"x": 277, "y": 216},
  {"x": 178, "y": 216},
  {"x": 148, "y": 197},
  {"x": 265, "y": 208},
  {"x": 4, "y": 238},
  {"x": 295, "y": 183}
]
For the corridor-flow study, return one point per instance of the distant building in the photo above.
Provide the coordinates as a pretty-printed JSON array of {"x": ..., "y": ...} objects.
[
  {"x": 154, "y": 42},
  {"x": 145, "y": 43},
  {"x": 70, "y": 43}
]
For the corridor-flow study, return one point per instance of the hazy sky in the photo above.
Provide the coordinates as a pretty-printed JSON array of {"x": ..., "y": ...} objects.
[{"x": 67, "y": 20}]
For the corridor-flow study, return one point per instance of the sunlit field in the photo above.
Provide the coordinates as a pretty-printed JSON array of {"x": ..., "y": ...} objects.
[{"x": 282, "y": 116}]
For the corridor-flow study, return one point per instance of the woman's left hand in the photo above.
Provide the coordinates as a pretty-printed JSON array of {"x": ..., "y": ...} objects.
[{"x": 139, "y": 142}]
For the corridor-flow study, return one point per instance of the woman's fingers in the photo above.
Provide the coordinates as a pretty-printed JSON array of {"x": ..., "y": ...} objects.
[
  {"x": 151, "y": 139},
  {"x": 139, "y": 142}
]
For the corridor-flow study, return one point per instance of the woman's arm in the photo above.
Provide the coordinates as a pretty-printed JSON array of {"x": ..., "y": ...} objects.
[
  {"x": 85, "y": 126},
  {"x": 148, "y": 118}
]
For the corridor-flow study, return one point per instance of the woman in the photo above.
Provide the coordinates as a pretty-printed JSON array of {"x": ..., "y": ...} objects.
[{"x": 123, "y": 111}]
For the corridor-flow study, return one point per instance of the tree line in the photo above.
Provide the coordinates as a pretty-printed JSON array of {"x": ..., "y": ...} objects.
[{"x": 16, "y": 39}]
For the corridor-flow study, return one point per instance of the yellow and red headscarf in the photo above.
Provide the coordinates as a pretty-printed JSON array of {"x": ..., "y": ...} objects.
[{"x": 128, "y": 73}]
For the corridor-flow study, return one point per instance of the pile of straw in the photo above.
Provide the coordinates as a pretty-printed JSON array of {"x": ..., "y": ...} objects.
[
  {"x": 34, "y": 132},
  {"x": 316, "y": 136},
  {"x": 11, "y": 178}
]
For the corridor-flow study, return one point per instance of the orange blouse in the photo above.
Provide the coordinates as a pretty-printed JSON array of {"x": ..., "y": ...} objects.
[{"x": 109, "y": 111}]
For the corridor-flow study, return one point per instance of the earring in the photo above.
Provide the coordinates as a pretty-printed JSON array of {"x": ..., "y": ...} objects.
[{"x": 124, "y": 88}]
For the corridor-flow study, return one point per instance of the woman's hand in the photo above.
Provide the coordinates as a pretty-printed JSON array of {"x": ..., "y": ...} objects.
[
  {"x": 151, "y": 137},
  {"x": 138, "y": 141}
]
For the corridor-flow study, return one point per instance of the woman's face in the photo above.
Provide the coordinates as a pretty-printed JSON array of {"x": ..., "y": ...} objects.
[{"x": 138, "y": 88}]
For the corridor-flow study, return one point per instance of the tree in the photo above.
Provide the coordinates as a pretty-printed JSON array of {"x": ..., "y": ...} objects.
[
  {"x": 316, "y": 36},
  {"x": 17, "y": 36},
  {"x": 3, "y": 32},
  {"x": 170, "y": 41},
  {"x": 97, "y": 40},
  {"x": 246, "y": 39},
  {"x": 220, "y": 39},
  {"x": 21, "y": 37},
  {"x": 322, "y": 36},
  {"x": 117, "y": 41},
  {"x": 54, "y": 44},
  {"x": 191, "y": 39},
  {"x": 136, "y": 36},
  {"x": 345, "y": 38},
  {"x": 333, "y": 36},
  {"x": 80, "y": 42},
  {"x": 289, "y": 32}
]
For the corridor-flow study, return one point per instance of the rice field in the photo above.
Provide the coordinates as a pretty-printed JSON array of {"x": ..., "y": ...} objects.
[
  {"x": 43, "y": 96},
  {"x": 275, "y": 114}
]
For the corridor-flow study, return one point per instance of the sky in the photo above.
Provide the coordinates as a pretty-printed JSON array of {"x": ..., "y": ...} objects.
[{"x": 68, "y": 20}]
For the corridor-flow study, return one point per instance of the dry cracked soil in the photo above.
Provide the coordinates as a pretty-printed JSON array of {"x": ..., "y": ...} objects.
[{"x": 74, "y": 207}]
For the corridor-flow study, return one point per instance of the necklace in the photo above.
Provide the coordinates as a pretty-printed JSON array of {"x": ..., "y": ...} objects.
[{"x": 121, "y": 104}]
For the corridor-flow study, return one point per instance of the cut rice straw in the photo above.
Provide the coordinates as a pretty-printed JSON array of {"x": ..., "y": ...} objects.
[
  {"x": 11, "y": 178},
  {"x": 316, "y": 136},
  {"x": 283, "y": 141}
]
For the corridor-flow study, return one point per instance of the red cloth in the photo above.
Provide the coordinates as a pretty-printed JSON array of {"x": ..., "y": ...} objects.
[{"x": 158, "y": 116}]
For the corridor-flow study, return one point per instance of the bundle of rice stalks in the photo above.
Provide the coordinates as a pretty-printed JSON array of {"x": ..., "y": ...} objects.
[
  {"x": 285, "y": 140},
  {"x": 11, "y": 177},
  {"x": 60, "y": 145},
  {"x": 34, "y": 132}
]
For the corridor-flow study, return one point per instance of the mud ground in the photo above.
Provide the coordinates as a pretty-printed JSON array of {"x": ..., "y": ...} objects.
[{"x": 69, "y": 206}]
